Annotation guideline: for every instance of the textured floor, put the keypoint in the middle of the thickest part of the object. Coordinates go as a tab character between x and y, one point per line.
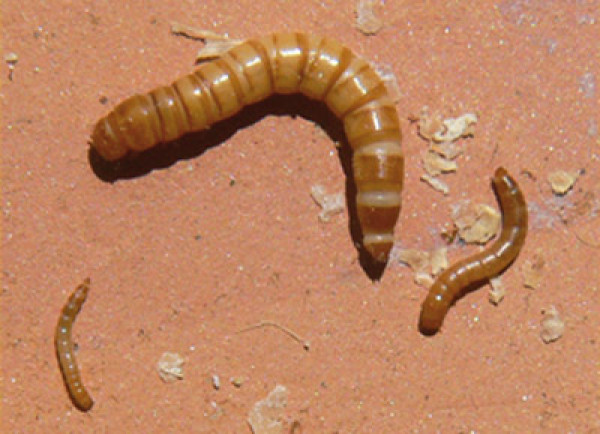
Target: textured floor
186	251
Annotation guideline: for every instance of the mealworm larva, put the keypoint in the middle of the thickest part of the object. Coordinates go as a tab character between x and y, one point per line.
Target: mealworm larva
64	348
477	268
283	63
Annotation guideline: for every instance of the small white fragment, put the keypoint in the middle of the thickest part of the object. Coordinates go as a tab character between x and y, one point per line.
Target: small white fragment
266	415
553	326
436	183
366	20
170	367
562	181
216	381
331	204
497	291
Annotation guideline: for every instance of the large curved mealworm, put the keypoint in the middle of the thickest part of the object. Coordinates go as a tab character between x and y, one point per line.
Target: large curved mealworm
64	348
477	268
284	63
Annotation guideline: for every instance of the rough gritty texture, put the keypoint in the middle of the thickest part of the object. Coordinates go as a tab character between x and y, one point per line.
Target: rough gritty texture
183	256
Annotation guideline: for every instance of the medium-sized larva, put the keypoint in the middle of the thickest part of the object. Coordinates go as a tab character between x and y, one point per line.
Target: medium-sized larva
64	348
284	63
480	267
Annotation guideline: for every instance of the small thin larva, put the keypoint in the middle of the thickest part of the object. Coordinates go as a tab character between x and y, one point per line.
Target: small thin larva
64	348
283	63
480	267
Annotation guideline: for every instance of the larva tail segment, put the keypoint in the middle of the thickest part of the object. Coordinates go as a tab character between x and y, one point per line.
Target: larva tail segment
64	348
451	284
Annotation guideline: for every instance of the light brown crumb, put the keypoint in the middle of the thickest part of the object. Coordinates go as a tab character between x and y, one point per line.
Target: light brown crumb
170	367
424	264
366	20
532	271
435	164
497	291
331	204
266	415
562	181
553	326
455	128
434	128
428	125
476	223
436	183
439	260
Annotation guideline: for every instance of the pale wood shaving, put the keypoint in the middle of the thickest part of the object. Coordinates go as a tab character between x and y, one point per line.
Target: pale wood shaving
533	271
553	326
497	291
366	20
562	181
476	223
436	183
170	367
331	204
266	416
435	164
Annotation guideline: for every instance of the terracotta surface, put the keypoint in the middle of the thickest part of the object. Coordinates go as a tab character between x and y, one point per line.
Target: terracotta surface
198	244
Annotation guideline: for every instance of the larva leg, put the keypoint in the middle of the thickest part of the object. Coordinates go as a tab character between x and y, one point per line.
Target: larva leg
284	63
480	267
64	348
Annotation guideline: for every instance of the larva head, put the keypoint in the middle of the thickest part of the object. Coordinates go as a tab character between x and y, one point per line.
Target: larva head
131	126
433	312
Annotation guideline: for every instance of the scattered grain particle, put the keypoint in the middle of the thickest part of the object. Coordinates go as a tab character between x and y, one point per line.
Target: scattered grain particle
553	326
449	150
532	271
11	59
366	20
439	260
417	260
562	181
455	128
331	204
435	164
170	367
448	233
237	381
497	291
436	183
476	223
266	415
429	124
216	382
423	279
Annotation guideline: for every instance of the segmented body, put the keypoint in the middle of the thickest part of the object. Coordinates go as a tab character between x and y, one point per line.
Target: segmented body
477	268
64	348
283	63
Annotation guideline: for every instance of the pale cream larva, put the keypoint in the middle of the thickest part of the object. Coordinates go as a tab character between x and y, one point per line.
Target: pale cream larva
64	348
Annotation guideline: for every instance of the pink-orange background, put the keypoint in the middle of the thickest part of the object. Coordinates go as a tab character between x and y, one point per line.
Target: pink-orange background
184	256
